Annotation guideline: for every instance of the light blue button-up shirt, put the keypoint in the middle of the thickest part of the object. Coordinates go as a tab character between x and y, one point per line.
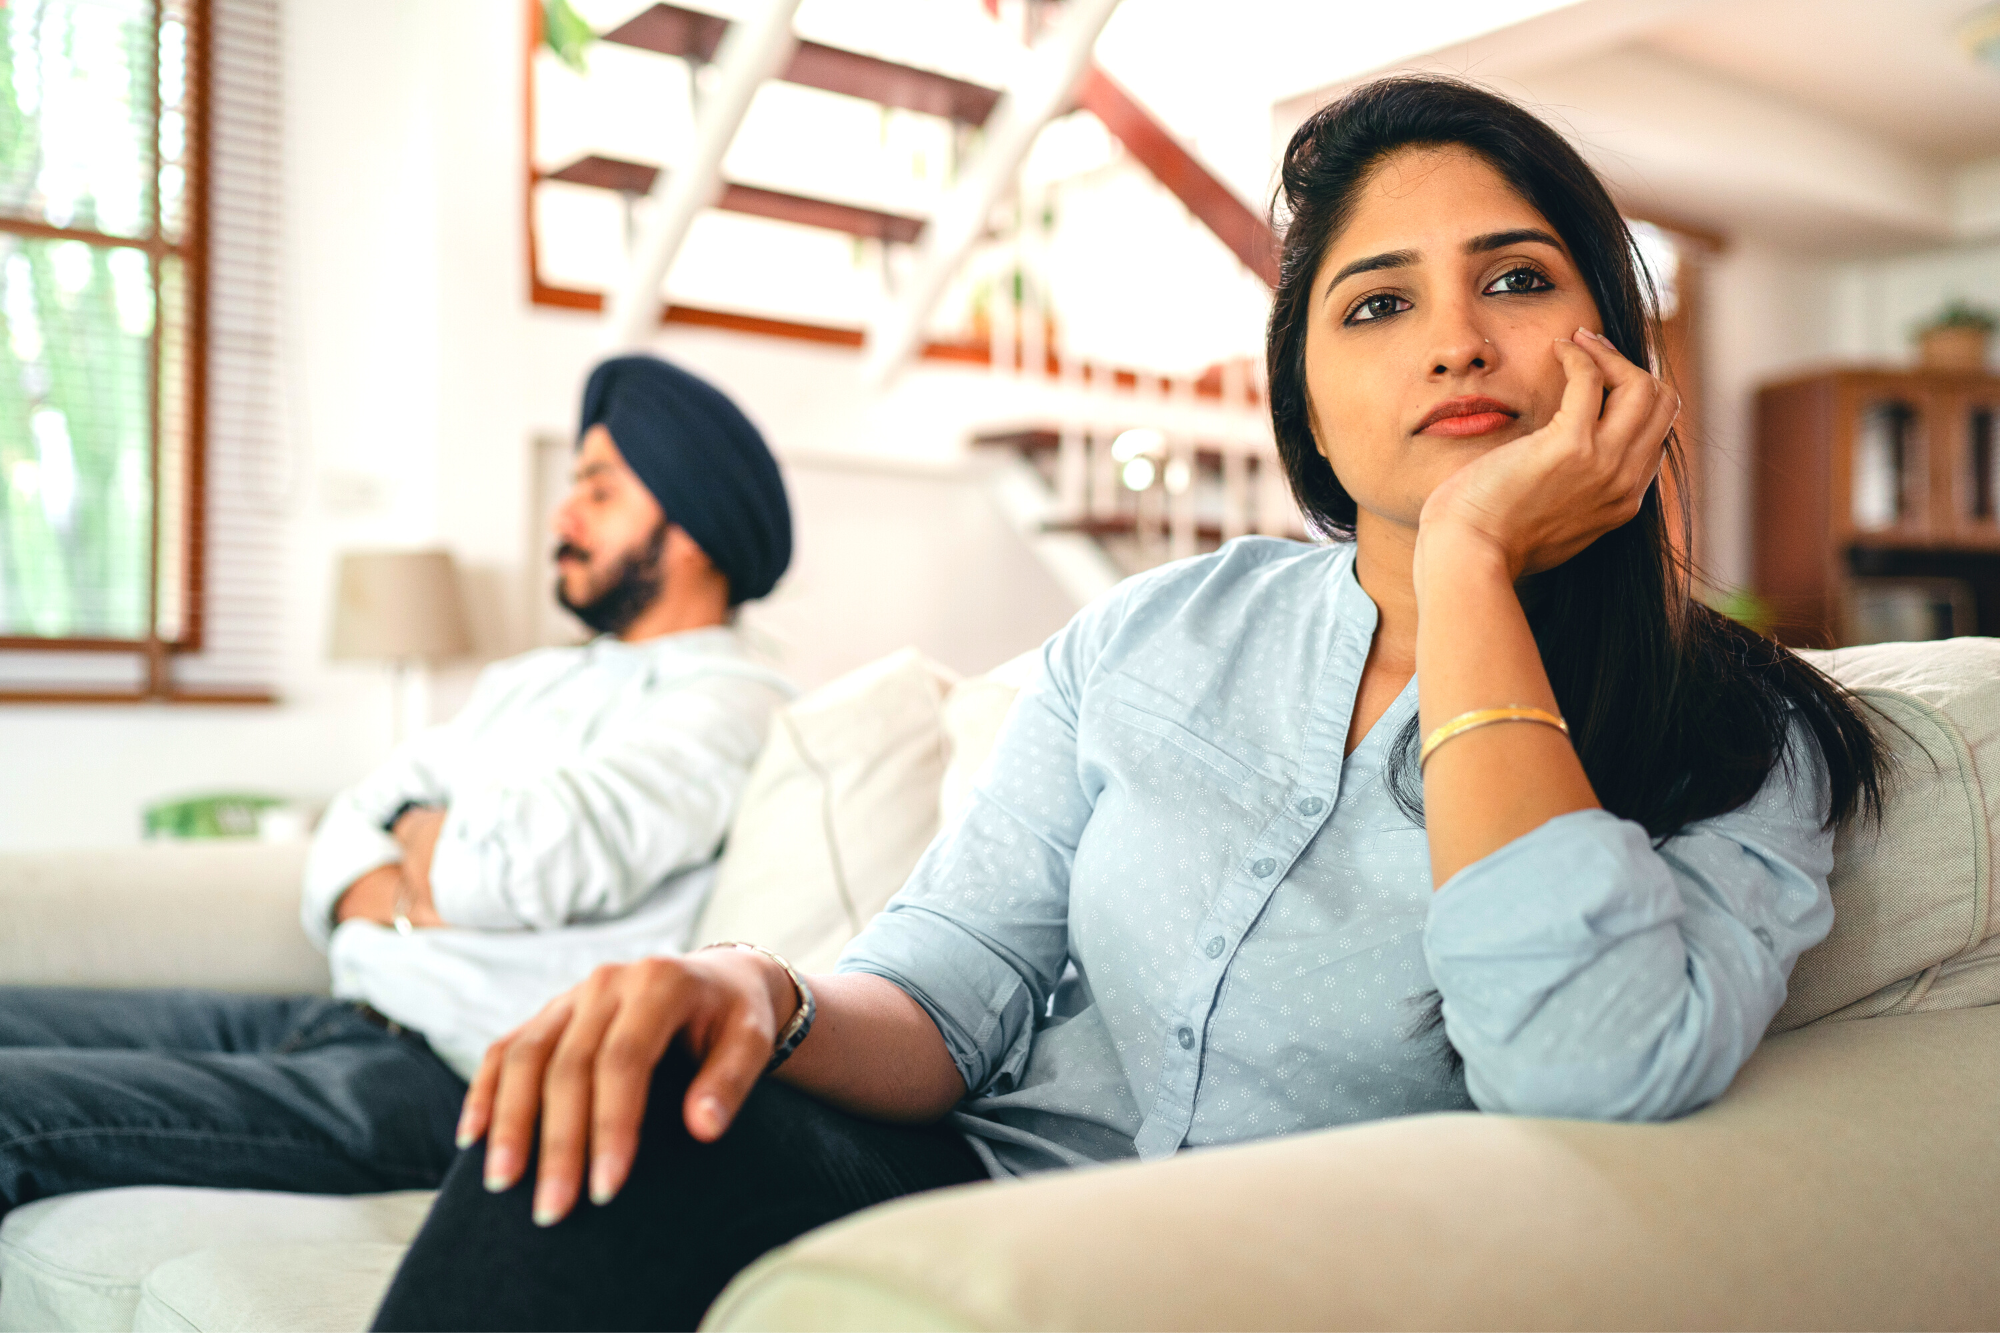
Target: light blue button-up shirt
1174	915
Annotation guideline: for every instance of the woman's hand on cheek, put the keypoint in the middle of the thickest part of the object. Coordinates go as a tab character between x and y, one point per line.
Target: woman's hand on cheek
1539	500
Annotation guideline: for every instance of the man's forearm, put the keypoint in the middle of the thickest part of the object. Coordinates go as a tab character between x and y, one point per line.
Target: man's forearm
376	895
371	897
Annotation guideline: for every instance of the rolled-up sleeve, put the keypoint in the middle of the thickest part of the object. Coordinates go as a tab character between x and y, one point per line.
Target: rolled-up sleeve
1586	973
979	936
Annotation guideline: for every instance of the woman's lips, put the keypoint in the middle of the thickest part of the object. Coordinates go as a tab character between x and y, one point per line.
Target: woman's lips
1467	416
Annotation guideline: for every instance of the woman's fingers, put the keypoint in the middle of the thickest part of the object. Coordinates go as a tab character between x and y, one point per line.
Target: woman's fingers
1583	388
736	1060
1633	391
1650	442
1619	373
566	1098
518	1097
477	1111
659	996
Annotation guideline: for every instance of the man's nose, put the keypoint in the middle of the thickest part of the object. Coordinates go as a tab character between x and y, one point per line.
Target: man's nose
563	522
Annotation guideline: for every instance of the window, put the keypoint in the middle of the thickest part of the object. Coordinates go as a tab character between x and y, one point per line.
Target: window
102	289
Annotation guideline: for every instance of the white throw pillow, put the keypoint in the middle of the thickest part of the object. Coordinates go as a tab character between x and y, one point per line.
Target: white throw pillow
838	808
974	712
1912	925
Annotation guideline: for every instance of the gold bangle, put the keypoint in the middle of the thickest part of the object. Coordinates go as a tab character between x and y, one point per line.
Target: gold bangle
1486	717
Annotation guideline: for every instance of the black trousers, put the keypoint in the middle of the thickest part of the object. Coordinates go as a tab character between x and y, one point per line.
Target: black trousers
691	1216
184	1087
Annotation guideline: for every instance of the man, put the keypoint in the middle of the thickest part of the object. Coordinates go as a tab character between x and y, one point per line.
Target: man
570	815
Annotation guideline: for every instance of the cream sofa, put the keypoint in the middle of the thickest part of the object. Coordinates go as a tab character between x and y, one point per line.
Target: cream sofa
1846	1179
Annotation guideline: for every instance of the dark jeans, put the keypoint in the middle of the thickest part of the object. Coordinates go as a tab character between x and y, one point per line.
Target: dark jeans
691	1216
183	1087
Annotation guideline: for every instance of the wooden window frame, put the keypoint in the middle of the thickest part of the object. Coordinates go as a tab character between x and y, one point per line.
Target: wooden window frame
192	250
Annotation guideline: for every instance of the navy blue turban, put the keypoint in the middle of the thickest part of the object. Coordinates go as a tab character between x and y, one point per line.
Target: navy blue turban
702	460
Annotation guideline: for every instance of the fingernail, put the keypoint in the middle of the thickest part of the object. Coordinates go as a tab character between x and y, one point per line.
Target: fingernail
499	1172
601	1189
549	1203
712	1112
465	1137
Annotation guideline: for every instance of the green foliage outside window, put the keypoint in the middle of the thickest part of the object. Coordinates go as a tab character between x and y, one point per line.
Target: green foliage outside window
93	189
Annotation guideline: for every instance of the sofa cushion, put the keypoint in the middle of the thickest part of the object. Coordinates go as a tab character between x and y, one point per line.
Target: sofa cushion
77	1260
1912	929
838	808
330	1287
1841	1183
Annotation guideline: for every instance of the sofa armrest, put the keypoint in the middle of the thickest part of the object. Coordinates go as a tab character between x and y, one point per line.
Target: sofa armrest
219	915
1847	1180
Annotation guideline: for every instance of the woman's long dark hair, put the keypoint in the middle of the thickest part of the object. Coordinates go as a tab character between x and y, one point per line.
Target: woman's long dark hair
1677	712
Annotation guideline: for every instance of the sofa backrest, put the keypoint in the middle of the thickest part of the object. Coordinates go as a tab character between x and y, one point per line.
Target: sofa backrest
858	777
219	913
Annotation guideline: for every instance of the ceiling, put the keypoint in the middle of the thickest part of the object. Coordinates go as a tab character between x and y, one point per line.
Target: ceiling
1833	126
1892	68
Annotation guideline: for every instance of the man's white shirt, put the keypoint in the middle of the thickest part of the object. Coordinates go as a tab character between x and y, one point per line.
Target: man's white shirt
587	793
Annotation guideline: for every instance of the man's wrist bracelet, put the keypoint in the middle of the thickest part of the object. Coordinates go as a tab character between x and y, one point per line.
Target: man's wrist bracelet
1485	717
794	1032
400	912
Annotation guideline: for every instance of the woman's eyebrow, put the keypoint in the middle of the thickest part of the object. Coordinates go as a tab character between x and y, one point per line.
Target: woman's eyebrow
1500	240
1390	259
1478	245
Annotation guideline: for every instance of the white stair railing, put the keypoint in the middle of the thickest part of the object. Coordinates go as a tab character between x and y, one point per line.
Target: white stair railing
752	53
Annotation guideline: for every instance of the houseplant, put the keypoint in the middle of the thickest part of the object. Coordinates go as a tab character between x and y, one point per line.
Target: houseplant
1956	339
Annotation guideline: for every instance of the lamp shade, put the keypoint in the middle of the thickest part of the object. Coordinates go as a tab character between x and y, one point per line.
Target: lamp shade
399	606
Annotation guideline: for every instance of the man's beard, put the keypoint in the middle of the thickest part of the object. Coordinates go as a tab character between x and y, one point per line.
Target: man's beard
641	576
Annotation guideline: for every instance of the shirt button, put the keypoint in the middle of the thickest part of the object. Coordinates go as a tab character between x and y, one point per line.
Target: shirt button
1186	1038
1263	866
1214	947
1311	806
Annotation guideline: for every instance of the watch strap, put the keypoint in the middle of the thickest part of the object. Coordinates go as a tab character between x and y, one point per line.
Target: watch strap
794	1032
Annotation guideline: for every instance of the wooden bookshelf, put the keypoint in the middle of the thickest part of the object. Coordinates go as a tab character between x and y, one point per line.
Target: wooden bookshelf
1867	476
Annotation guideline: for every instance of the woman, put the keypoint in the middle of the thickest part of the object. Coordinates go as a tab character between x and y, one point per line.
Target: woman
1192	901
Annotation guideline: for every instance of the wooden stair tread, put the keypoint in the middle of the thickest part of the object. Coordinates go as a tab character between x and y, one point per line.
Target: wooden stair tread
672	31
610	173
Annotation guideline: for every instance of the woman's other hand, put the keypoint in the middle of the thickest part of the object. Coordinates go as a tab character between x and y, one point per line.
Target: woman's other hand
584	1065
1539	500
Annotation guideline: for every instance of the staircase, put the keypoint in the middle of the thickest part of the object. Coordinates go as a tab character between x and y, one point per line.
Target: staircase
1147	466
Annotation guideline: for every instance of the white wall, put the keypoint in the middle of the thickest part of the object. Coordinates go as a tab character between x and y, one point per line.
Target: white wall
1878	305
417	376
1766	314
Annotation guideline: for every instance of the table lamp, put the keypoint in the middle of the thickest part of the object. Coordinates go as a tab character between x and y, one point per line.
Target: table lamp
400	607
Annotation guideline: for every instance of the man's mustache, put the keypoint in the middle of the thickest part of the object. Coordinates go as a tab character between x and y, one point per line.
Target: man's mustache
571	551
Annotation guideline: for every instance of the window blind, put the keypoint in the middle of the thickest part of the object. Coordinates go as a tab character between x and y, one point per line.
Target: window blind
249	482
